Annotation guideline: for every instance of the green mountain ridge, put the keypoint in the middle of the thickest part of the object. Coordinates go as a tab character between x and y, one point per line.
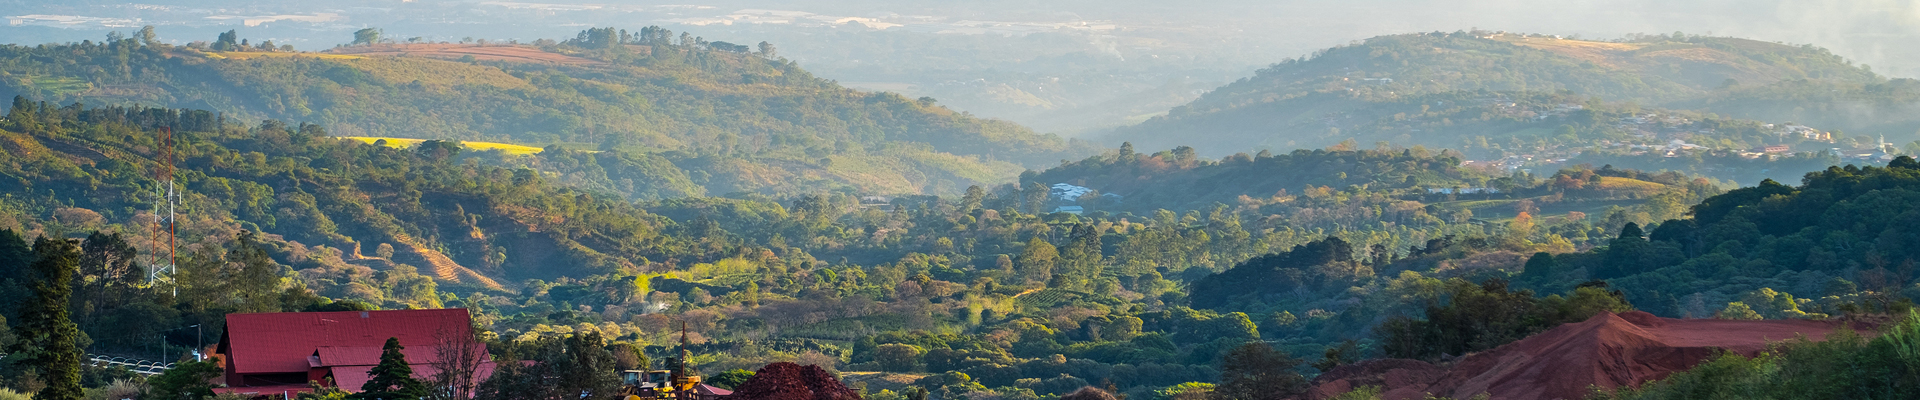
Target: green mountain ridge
729	121
1367	91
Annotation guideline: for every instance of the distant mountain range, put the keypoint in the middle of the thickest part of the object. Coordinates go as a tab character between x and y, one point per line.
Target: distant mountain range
1453	89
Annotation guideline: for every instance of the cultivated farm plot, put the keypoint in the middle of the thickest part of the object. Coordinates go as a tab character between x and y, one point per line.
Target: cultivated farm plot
58	85
401	143
1047	298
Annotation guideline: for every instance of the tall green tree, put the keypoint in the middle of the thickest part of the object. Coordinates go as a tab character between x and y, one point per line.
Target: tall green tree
107	277
1036	196
50	342
1539	266
1256	371
1080	261
185	381
393	378
228	41
15	257
242	278
589	370
1037	260
577	367
366	36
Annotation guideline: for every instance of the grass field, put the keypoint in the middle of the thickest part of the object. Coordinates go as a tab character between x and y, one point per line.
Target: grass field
401	143
1618	183
1603	53
60	86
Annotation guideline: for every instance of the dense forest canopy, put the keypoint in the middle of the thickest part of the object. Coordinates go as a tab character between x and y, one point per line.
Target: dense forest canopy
322	220
289	217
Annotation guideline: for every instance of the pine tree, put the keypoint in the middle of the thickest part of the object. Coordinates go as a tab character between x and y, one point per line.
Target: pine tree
393	378
50	340
1257	371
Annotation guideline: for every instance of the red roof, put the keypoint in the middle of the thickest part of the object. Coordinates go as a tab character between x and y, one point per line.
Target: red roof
282	342
354	377
328	356
712	390
265	390
351	378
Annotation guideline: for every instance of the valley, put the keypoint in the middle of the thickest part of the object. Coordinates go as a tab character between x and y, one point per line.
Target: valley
1469	214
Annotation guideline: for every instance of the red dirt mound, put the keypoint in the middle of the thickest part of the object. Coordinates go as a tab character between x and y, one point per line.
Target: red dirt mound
1608	350
789	381
1401	378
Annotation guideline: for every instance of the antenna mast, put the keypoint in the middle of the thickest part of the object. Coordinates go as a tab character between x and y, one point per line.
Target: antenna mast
164	229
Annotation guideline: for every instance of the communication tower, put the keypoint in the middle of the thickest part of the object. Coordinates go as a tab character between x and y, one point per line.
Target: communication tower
166	243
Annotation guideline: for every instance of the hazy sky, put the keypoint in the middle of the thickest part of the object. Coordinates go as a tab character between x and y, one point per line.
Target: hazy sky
1881	33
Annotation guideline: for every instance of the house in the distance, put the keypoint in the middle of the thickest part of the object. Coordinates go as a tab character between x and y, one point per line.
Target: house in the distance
277	354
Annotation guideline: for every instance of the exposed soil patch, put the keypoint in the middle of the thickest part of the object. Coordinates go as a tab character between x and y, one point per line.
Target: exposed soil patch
511	53
1608	350
1602	53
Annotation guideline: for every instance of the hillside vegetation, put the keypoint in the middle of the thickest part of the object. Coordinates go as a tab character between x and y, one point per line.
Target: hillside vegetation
1454	89
325	219
703	192
983	292
731	121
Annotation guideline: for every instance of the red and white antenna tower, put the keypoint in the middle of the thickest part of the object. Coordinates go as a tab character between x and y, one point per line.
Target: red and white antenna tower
164	214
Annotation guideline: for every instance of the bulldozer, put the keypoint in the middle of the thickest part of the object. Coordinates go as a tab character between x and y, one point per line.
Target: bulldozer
674	384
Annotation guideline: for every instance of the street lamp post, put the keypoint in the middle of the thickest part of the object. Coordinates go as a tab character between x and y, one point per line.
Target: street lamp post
199	342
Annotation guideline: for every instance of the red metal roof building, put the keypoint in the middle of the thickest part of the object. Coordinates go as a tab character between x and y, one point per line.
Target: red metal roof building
276	354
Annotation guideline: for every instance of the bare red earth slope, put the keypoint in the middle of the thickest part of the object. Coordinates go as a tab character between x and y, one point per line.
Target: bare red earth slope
1608	350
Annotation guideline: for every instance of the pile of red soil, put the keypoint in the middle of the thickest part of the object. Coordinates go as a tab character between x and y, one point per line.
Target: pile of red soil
1608	350
789	381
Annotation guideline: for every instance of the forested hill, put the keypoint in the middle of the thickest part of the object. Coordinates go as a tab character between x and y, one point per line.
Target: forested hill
984	292
1349	188
1343	92
341	206
1178	179
734	120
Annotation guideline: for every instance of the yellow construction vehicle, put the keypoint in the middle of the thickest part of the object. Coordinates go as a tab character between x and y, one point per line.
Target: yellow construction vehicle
657	385
675	384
